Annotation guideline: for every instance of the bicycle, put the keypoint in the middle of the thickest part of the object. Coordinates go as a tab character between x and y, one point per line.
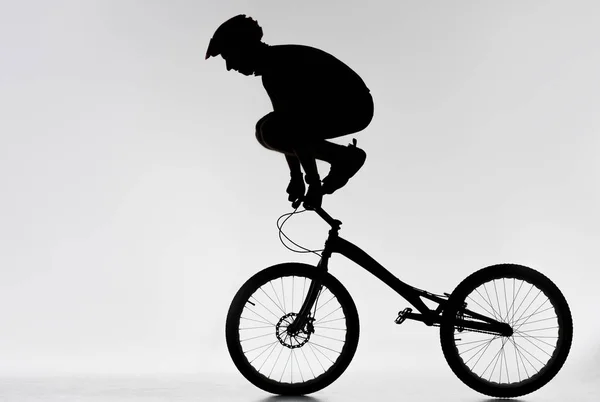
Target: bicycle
316	323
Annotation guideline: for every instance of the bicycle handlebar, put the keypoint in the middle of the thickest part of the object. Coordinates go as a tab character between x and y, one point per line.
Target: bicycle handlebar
334	223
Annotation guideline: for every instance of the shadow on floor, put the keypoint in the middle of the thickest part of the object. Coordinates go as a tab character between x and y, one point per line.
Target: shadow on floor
280	398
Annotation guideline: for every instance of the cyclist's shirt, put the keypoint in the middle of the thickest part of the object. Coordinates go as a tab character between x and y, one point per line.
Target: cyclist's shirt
301	78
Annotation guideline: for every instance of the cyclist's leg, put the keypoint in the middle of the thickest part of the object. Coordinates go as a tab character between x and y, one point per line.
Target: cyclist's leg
305	136
345	161
283	133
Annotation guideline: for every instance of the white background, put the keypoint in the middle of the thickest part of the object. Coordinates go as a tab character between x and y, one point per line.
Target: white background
136	200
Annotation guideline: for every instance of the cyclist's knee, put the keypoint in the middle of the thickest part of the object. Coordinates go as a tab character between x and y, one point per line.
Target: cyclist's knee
274	133
260	130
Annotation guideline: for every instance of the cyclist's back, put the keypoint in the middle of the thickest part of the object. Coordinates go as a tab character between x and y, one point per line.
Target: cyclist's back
298	77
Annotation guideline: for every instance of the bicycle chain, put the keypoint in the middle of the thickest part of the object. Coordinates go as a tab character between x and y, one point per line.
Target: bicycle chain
471	330
480	331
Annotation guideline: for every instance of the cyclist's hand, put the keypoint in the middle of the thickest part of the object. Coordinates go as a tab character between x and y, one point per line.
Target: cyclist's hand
296	190
314	197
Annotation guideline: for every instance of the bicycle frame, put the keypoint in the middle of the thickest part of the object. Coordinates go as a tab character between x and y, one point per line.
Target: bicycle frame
430	317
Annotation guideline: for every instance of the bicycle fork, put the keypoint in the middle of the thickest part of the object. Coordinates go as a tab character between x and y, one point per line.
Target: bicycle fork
304	318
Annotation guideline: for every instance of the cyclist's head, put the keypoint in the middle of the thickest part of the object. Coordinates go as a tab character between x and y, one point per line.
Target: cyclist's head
237	41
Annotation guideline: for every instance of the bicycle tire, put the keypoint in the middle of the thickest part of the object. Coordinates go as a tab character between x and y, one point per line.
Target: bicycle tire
564	330
233	330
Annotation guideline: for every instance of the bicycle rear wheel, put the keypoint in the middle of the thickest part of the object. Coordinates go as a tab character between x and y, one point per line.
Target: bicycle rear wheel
536	310
291	364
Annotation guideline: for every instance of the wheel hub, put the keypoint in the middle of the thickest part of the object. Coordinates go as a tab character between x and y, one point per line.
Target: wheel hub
292	340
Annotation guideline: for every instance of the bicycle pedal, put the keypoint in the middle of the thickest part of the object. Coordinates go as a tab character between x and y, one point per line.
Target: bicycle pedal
402	315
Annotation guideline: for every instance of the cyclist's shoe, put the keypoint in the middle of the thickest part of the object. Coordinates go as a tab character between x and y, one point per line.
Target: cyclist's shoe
343	169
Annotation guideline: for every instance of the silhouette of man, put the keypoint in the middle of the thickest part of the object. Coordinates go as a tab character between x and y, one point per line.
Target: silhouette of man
315	97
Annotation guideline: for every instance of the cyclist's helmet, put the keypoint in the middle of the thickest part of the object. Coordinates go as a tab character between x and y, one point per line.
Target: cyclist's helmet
237	31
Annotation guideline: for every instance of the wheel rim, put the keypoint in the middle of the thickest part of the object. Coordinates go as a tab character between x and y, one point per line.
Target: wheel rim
519	359
281	357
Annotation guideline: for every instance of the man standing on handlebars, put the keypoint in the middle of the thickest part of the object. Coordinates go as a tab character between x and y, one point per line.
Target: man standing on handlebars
315	97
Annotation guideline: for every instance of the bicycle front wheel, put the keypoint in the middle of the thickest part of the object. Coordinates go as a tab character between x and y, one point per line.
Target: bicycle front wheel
537	312
291	364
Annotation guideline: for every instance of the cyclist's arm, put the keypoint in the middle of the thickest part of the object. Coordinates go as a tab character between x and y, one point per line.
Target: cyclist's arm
294	165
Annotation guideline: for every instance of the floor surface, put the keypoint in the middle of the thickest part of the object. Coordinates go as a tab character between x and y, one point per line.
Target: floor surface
232	387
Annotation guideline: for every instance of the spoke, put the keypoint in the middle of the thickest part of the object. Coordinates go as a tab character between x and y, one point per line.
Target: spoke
515	298
517	361
534	330
321	352
475	347
298	364
335	329
531	354
261	353
522	356
268	322
325	322
484	350
258	347
543	311
325	347
272	350
328	337
539	312
490	301
277	305
266	308
533	322
524	311
484	309
527	339
244	329
283	293
497	301
284	367
277	297
537	337
322	318
274	364
522	301
466	343
530	315
501	361
303	288
506	364
525	336
486	301
293	277
256	337
316	357
496	358
505	298
307	362
250	319
323	305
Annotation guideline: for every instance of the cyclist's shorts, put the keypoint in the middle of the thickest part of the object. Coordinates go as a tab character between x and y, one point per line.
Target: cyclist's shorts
323	123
